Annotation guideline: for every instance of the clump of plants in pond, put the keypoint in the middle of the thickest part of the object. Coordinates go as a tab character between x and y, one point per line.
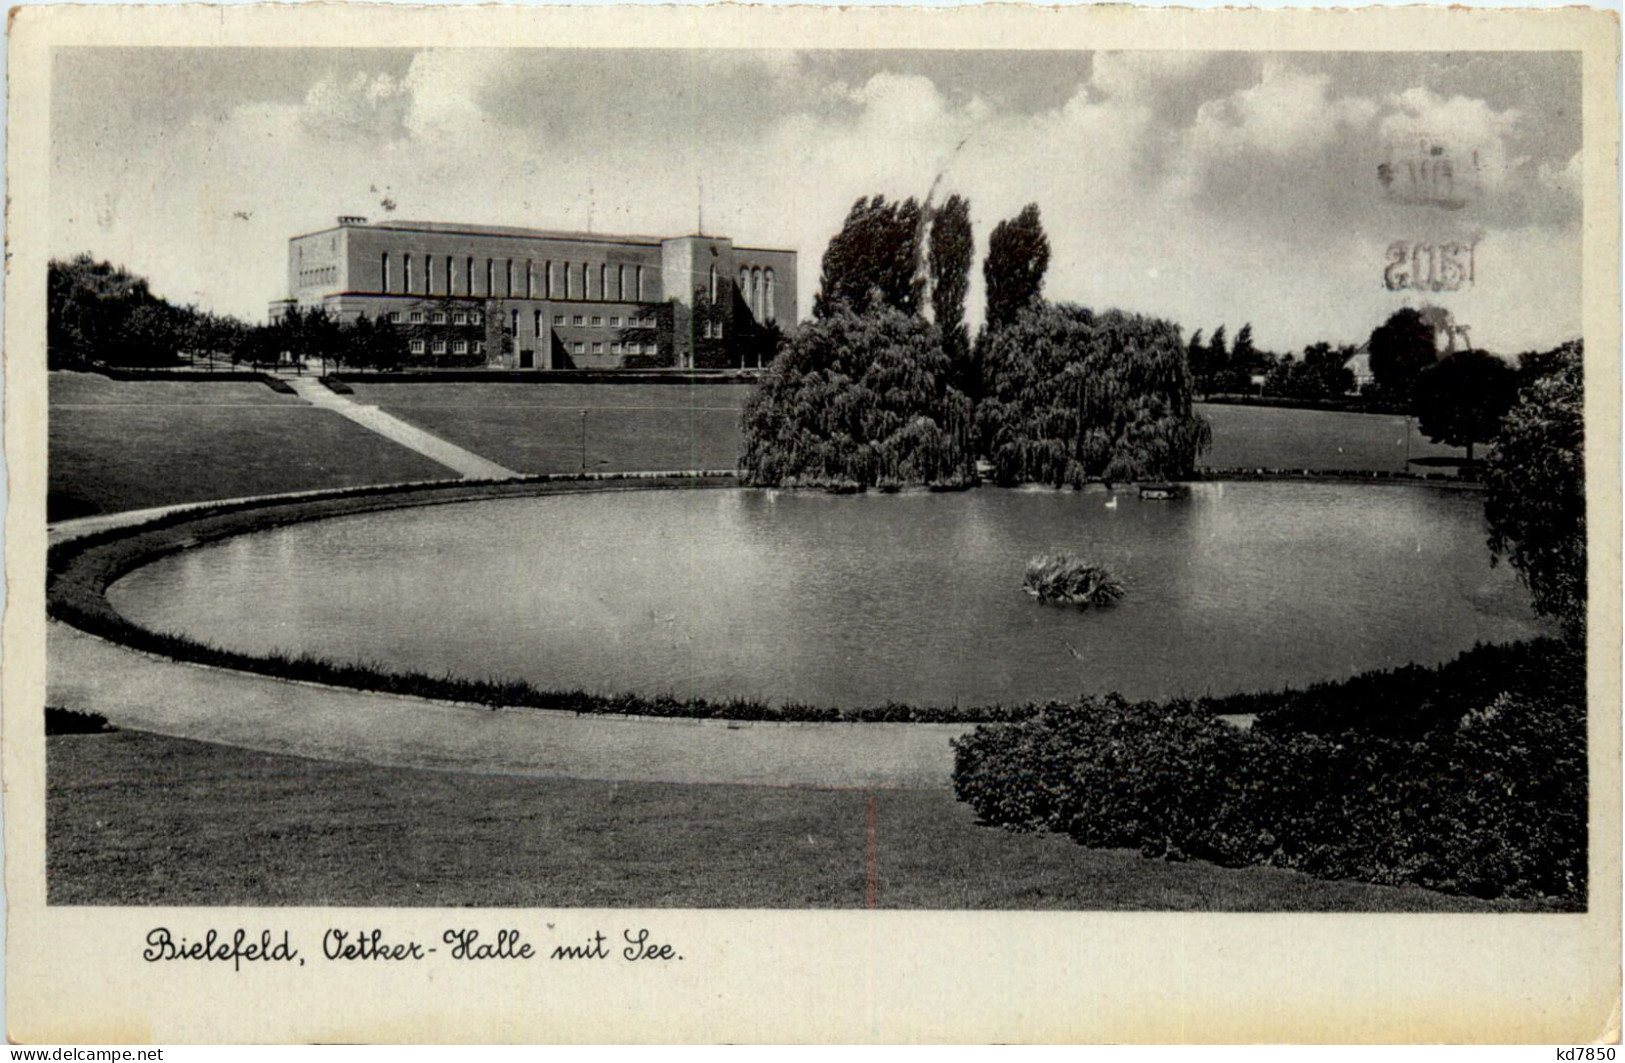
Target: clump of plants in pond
1066	579
1488	803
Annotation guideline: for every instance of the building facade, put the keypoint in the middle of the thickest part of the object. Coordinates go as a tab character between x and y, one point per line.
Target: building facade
466	295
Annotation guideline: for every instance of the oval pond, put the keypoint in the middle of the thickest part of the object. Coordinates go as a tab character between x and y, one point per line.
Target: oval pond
859	600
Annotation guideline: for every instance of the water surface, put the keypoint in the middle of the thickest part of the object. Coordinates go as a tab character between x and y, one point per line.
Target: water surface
859	600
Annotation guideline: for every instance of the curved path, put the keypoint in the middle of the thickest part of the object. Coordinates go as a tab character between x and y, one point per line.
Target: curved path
151	693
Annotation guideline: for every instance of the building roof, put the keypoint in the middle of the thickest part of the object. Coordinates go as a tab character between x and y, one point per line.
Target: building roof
510	230
521	232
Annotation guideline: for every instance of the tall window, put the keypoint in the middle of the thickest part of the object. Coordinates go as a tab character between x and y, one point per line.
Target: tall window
620	284
603	282
586	281
428	279
639	295
449	269
767	297
407	260
383	271
538	322
468	275
713	284
756	292
530	279
744	286
569	280
508	291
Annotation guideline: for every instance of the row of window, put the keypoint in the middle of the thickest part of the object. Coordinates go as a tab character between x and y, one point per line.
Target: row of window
439	317
596	321
445	274
440	347
478	347
580	347
321	275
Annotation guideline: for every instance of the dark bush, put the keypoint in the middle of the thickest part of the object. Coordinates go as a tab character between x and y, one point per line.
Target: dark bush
1490	801
74	722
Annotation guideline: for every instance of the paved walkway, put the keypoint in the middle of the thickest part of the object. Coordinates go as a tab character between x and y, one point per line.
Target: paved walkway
463	462
149	693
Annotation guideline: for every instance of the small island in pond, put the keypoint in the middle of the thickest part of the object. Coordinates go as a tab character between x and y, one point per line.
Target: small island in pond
1066	579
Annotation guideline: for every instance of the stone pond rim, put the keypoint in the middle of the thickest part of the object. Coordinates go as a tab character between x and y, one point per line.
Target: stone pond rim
81	569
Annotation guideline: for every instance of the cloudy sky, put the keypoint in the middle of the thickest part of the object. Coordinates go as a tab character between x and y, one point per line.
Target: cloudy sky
1210	188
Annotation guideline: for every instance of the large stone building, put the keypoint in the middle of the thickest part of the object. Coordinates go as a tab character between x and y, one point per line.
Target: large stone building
466	295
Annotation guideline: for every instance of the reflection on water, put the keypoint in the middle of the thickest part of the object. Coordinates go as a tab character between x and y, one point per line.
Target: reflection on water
859	600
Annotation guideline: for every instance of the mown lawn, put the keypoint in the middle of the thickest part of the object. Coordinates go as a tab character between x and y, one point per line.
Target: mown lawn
1247	437
118	445
537	428
140	819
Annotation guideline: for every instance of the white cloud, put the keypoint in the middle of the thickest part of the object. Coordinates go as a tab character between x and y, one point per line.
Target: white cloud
1160	193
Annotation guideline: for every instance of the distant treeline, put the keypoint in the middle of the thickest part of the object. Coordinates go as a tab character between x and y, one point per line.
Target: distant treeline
99	314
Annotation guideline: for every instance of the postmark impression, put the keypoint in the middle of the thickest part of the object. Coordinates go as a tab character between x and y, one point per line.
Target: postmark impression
1424	169
1431	266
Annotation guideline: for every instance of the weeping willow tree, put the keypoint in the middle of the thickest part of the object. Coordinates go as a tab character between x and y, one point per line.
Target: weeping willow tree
1073	397
856	401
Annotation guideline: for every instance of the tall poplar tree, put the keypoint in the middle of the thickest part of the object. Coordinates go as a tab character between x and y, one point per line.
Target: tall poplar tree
1017	258
951	249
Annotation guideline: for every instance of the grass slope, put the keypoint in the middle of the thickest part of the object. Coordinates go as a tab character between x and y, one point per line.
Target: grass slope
117	446
537	428
140	819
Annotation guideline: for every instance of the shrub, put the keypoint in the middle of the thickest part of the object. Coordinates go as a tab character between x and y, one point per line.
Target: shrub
1534	477
1070	580
1491	803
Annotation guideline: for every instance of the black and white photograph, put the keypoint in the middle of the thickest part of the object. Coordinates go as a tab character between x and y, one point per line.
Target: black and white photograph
1016	478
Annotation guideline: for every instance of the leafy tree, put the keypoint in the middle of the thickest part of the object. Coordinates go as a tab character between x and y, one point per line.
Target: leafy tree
1017	258
951	248
1460	400
1216	363
1074	397
858	400
88	305
1532	365
1322	373
872	259
1535	490
1401	348
1244	356
150	335
1233	370
1196	355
